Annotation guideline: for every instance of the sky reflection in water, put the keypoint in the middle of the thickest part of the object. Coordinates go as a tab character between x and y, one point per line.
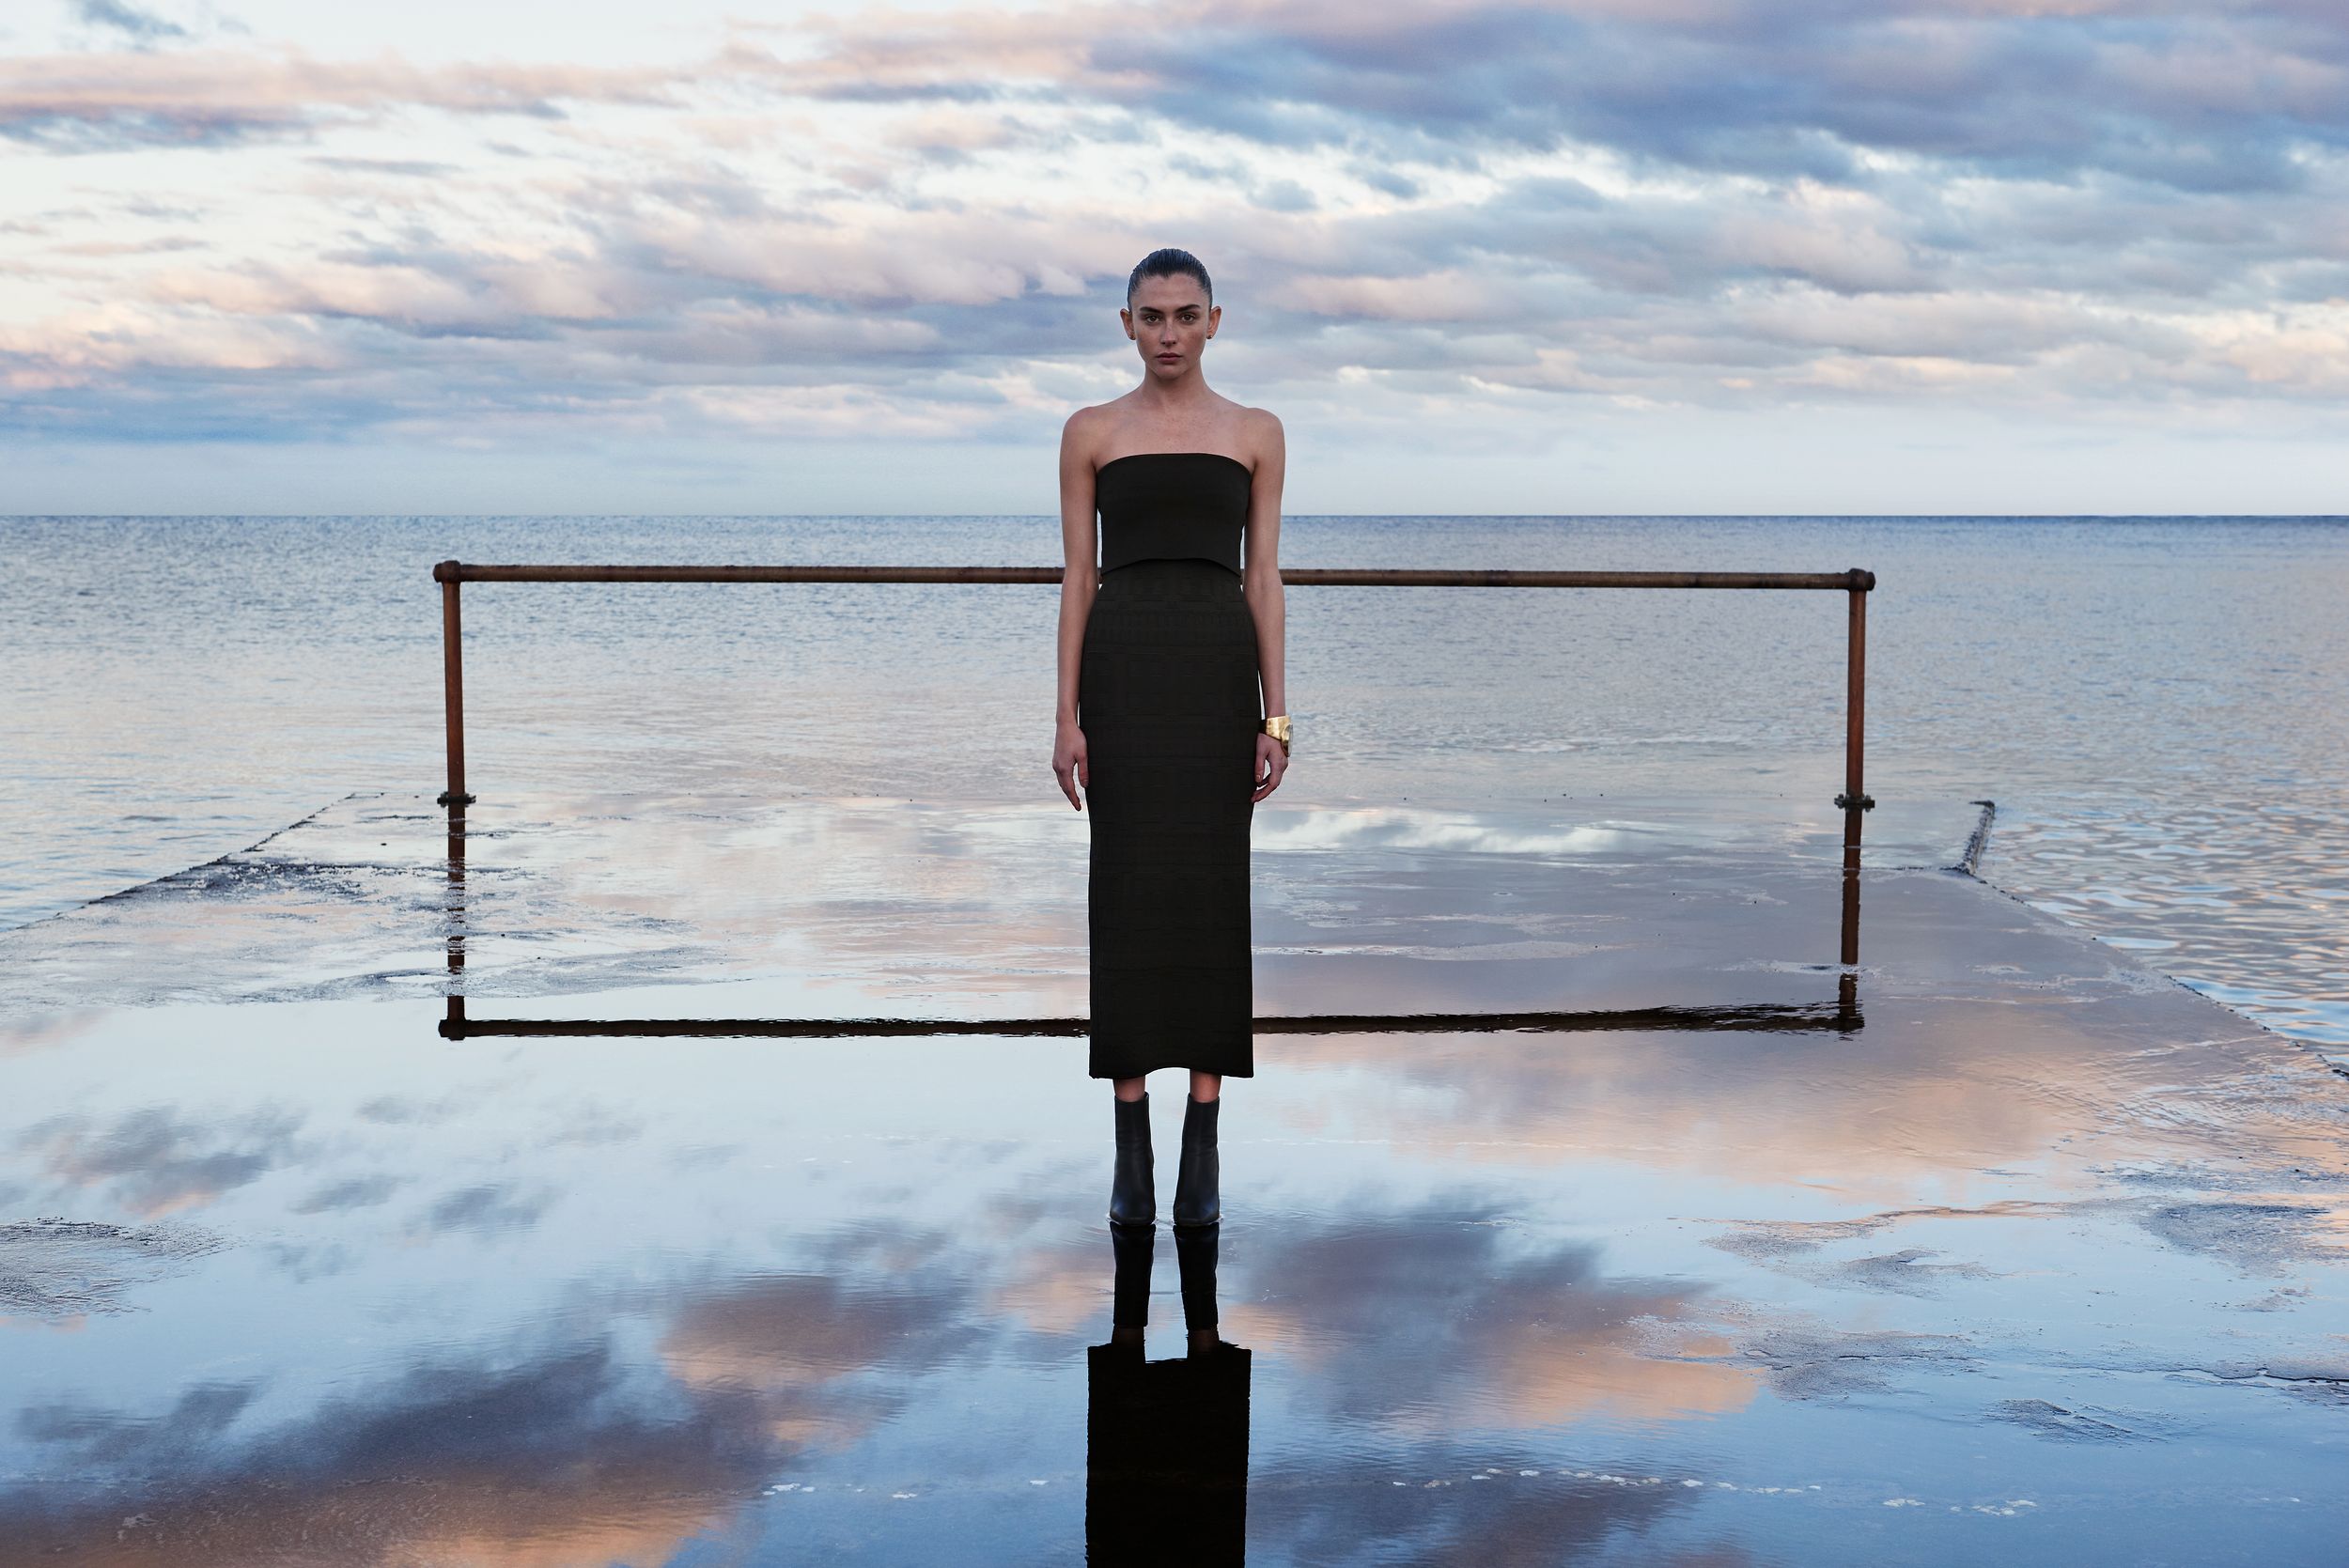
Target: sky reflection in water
2036	1261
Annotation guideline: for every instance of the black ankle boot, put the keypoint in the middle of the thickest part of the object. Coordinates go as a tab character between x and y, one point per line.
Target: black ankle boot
1134	1198
1196	1200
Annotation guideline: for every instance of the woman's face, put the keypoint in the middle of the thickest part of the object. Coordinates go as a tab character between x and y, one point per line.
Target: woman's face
1170	322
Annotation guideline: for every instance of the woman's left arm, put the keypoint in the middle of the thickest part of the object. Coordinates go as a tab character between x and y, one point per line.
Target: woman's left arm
1262	585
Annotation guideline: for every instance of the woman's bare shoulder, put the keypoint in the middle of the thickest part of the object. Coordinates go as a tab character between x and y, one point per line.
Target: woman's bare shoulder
1263	435
1096	418
1080	441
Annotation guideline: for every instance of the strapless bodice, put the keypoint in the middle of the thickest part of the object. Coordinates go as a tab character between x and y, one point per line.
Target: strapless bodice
1158	506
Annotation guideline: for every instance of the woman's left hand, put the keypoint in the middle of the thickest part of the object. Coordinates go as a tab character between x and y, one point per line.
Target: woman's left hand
1271	762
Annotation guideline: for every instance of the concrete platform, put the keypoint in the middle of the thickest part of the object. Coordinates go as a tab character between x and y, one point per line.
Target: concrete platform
1992	1246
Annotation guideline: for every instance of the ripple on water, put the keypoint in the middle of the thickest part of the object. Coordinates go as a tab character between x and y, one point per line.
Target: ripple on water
2246	911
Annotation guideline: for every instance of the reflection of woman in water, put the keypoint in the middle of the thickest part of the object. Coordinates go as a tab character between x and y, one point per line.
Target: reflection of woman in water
1166	1442
1169	663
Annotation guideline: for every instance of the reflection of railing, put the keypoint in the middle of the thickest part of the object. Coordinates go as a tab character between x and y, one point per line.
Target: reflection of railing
1764	1018
1856	583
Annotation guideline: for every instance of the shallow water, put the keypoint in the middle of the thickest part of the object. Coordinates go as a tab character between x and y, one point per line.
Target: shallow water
2154	704
1988	1245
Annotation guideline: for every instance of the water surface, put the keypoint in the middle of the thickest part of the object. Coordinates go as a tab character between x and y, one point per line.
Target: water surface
1989	1247
2152	703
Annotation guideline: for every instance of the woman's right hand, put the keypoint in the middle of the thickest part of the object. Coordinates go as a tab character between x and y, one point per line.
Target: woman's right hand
1069	761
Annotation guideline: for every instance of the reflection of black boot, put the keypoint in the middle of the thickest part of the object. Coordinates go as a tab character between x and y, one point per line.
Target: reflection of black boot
1194	1254
1133	1197
1196	1200
1166	1442
1131	1246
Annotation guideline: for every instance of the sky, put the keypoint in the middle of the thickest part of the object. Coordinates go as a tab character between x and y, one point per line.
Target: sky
1480	255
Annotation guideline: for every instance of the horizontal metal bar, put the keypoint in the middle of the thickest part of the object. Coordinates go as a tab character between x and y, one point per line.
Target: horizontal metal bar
1341	576
1765	1018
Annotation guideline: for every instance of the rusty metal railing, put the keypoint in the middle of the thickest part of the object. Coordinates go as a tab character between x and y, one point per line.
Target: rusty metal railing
1855	582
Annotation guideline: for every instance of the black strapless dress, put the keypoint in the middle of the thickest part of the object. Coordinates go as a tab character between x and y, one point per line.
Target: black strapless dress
1170	706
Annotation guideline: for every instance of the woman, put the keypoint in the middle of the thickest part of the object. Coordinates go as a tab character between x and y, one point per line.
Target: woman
1169	661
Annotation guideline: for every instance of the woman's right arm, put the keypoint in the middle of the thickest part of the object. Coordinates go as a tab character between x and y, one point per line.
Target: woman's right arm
1080	578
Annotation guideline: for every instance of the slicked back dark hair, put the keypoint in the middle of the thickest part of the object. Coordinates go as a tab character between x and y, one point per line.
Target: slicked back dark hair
1169	263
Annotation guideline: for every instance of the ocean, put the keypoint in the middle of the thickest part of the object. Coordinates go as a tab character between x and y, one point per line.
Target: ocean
2154	704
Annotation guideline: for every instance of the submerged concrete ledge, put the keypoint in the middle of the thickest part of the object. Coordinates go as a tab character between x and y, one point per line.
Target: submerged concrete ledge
373	896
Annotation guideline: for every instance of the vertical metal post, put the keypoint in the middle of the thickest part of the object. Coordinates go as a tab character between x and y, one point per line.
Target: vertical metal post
453	683
1855	796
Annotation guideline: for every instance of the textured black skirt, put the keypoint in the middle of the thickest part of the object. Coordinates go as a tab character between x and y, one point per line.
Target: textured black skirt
1170	707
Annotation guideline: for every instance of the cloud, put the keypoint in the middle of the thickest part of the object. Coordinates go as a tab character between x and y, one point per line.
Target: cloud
221	98
1507	1520
486	1210
553	1460
562	1451
155	1162
1469	221
144	26
1430	1320
2202	103
358	1192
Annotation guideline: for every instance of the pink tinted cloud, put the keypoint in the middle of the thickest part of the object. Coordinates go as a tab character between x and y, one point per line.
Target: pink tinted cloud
204	95
488	292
